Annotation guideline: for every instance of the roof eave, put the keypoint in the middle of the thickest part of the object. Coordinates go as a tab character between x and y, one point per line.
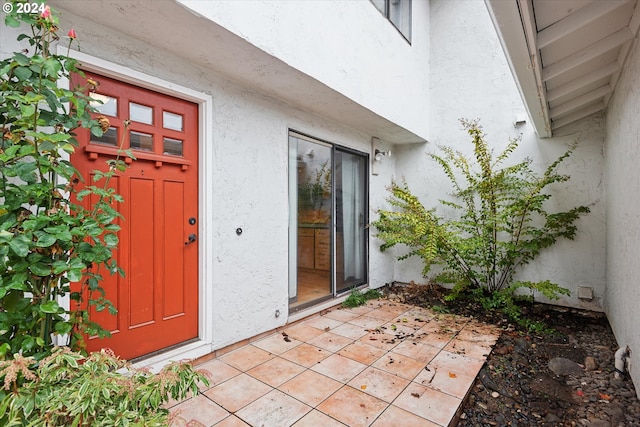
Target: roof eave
525	66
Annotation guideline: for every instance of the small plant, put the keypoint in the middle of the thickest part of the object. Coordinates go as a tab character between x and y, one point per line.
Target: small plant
502	224
67	389
357	298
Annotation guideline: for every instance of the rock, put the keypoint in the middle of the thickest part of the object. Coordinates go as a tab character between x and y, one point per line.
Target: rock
590	363
564	366
552	418
495	394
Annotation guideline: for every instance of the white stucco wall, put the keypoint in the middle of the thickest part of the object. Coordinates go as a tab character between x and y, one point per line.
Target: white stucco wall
623	210
347	45
470	79
249	175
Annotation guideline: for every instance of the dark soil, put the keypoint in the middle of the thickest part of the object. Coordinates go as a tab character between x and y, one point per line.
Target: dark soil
516	386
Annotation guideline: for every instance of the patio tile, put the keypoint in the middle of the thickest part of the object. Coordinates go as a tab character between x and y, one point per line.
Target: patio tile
322	323
341	315
417	350
330	341
306	355
246	357
276	343
273	409
399	364
350	331
363	309
199	409
317	419
218	371
474	350
378	383
457	363
339	368
302	332
394	417
353	407
361	352
310	387
237	392
446	381
366	322
433	336
380	340
384	314
433	405
232	421
398	328
275	371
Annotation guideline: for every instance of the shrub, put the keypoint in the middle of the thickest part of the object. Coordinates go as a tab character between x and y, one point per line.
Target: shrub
502	223
47	240
67	389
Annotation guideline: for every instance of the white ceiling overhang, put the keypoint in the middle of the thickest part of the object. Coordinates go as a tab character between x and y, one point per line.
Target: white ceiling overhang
566	55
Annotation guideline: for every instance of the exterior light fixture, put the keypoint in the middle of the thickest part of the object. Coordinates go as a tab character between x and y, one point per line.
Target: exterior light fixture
379	154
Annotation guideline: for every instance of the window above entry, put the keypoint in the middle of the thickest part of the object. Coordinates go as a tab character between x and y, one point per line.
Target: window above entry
398	12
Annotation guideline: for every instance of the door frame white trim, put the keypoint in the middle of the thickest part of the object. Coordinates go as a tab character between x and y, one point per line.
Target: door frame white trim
205	195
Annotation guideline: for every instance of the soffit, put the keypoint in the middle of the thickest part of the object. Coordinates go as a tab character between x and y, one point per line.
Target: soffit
566	55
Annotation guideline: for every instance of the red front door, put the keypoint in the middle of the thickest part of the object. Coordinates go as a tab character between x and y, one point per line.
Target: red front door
157	300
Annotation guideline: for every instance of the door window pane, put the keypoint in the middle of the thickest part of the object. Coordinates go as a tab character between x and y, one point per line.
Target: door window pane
172	146
140	113
311	205
351	219
171	121
104	104
141	141
110	137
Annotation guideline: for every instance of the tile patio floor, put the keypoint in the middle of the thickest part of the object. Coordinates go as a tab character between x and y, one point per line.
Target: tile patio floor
383	364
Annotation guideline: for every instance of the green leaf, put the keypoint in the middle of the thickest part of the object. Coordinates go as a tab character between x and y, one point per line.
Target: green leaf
40	269
44	239
111	240
19	247
23	73
75	275
50	307
11	21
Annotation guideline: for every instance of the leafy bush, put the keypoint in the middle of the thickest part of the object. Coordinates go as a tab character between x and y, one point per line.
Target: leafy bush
47	240
67	389
502	223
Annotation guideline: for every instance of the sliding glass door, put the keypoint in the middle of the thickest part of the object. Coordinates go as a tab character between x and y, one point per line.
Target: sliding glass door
328	214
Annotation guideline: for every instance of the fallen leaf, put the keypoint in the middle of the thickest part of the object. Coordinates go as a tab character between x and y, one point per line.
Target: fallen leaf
416	395
327	329
579	393
604	396
452	375
363	387
394	327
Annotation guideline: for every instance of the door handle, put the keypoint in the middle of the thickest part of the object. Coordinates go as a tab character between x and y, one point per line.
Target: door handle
192	238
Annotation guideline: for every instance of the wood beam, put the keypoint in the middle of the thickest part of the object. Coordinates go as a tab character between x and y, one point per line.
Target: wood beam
585	80
590	52
577	103
577	20
577	115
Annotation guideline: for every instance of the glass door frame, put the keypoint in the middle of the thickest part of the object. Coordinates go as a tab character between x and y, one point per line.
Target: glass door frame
293	219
